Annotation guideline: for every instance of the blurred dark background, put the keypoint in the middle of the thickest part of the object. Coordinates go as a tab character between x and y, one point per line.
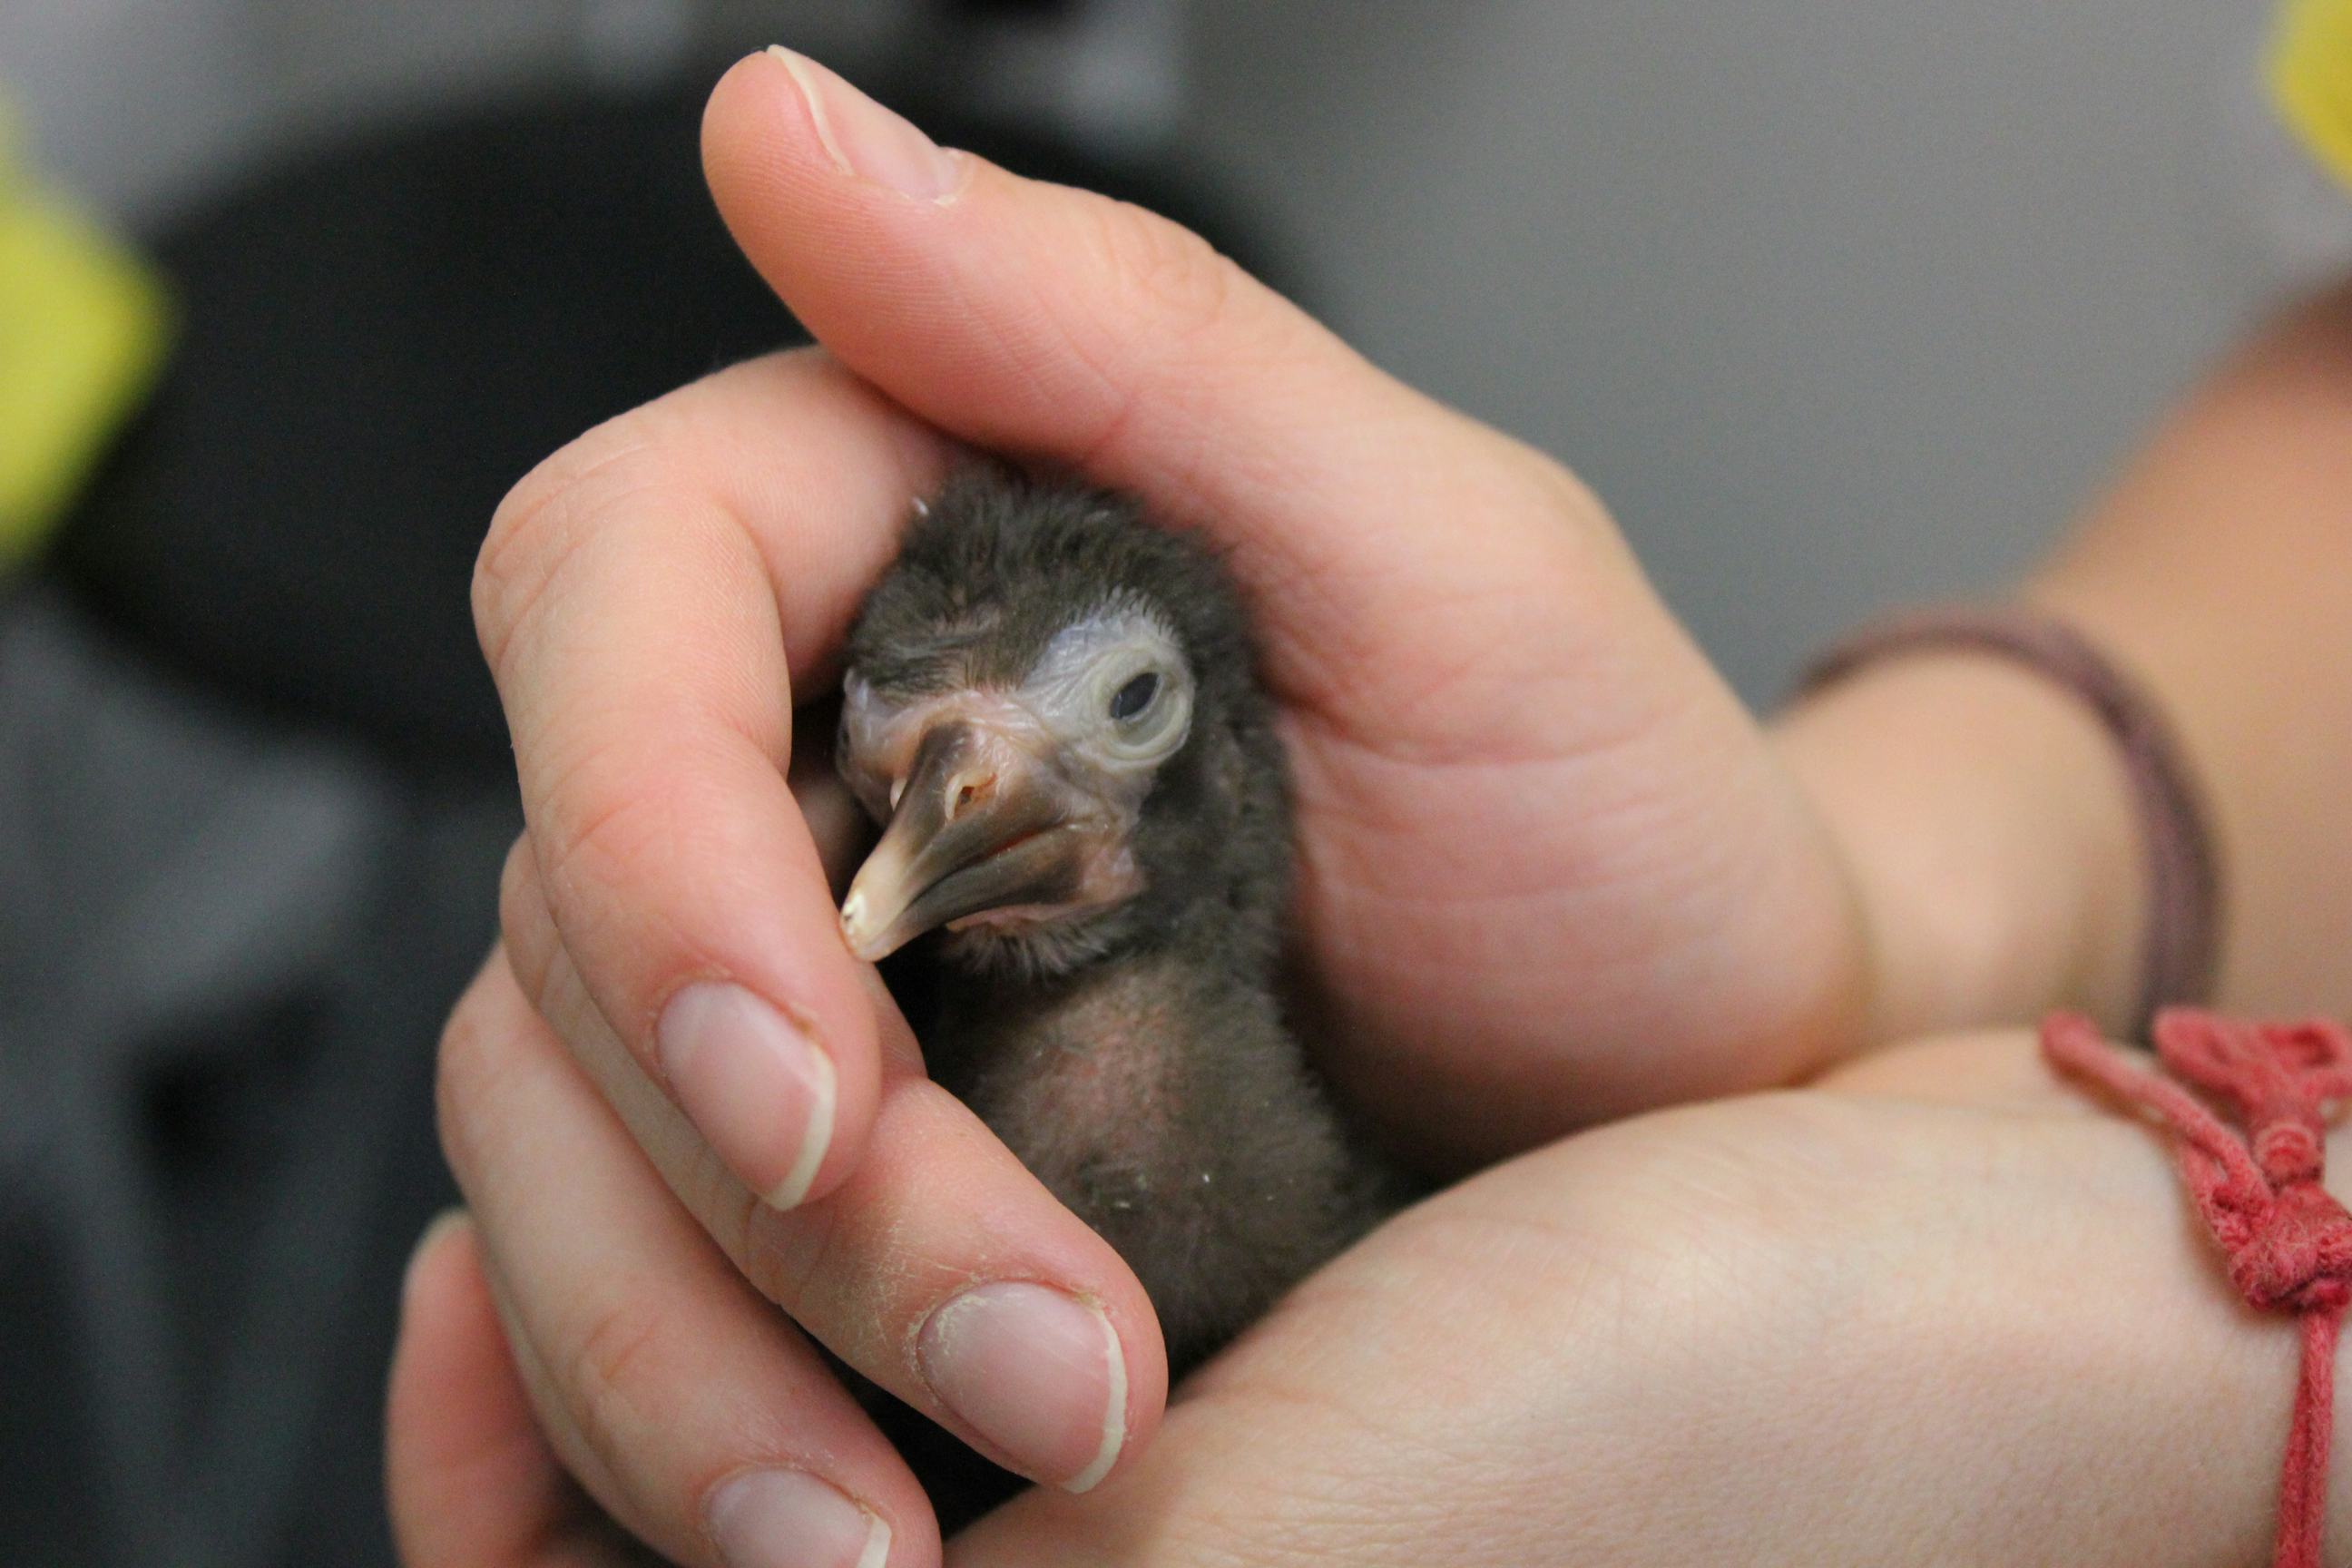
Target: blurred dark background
1834	302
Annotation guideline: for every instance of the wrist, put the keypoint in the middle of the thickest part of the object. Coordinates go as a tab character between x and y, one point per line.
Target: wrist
1984	824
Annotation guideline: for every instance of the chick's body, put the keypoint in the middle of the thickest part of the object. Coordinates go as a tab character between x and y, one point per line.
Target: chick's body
1063	696
1167	1106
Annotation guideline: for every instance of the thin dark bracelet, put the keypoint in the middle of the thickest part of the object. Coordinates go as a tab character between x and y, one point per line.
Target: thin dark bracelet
2184	879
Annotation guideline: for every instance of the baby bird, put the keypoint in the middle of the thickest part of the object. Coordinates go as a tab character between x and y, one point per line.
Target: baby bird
1051	706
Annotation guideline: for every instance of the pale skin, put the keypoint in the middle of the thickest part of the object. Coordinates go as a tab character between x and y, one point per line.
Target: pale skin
1934	1308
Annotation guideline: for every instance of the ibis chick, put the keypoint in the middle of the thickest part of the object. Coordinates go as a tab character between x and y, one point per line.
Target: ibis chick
1050	705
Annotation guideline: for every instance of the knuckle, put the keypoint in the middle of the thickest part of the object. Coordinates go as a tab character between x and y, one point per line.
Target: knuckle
1582	521
598	1375
464	1068
731	1215
549	517
819	1269
609	815
525	925
1183	284
518	891
1730	1231
786	1258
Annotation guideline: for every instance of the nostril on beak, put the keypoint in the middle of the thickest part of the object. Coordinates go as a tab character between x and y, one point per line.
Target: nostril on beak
967	790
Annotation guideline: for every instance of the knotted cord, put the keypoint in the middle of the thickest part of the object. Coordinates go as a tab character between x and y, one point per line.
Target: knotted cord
2258	1186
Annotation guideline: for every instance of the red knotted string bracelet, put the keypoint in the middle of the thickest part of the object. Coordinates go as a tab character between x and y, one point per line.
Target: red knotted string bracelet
2289	1243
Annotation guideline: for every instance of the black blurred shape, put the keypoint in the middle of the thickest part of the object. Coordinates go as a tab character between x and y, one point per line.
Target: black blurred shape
378	343
48	1450
375	346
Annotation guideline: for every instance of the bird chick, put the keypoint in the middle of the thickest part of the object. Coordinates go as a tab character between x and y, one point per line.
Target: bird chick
1050	705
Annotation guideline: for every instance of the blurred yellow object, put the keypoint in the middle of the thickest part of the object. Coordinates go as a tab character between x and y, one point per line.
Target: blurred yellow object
83	324
2310	70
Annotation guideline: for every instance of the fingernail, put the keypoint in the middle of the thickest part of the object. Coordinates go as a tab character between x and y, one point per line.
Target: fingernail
446	1220
869	141
1038	1375
759	1089
786	1519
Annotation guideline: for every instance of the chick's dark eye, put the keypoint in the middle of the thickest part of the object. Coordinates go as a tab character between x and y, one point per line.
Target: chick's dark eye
1136	696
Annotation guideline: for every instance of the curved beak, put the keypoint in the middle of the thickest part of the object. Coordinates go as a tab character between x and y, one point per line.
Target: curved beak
978	824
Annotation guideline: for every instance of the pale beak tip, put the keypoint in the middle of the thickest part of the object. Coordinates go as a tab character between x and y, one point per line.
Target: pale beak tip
864	944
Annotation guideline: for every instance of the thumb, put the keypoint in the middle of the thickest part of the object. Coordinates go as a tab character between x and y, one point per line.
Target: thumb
1059	324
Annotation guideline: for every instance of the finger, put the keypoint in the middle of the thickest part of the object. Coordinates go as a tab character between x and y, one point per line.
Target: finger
940	1269
1051	321
690	1409
646	600
471	1481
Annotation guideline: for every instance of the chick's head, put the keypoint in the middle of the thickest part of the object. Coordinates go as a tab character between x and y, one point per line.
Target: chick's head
1051	707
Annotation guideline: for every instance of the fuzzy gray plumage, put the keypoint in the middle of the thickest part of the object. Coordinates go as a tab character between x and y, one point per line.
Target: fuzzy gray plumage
1144	1073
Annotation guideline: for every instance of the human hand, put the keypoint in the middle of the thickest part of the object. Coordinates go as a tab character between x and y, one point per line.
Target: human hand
1534	825
1551	872
1940	1309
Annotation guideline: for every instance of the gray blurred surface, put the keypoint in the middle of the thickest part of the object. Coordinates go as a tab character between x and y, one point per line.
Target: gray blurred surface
1834	301
225	946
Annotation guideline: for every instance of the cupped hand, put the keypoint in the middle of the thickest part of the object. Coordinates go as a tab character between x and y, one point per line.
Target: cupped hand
1940	1309
1550	871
